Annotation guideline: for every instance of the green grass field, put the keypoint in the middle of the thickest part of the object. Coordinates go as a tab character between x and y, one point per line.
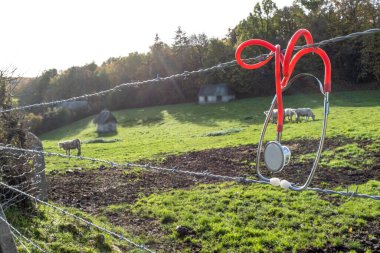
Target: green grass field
237	218
230	217
152	133
60	233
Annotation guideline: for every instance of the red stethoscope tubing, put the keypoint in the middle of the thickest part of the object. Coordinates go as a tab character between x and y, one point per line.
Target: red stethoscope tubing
288	64
253	42
280	109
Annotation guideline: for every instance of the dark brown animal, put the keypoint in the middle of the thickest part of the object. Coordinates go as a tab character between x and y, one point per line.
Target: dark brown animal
68	145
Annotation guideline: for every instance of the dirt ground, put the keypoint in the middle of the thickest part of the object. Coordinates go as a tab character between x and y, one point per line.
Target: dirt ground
90	190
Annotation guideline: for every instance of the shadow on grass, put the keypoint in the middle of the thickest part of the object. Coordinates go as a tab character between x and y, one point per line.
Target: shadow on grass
100	135
143	117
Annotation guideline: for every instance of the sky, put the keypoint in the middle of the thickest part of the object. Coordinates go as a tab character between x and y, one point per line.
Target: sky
44	34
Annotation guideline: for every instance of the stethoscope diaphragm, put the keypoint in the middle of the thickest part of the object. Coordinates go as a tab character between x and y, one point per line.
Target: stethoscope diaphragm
276	156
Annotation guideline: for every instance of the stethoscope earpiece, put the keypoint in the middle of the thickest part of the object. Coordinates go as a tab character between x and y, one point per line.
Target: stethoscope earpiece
276	156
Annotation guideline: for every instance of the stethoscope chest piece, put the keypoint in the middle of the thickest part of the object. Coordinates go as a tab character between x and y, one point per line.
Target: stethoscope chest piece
276	156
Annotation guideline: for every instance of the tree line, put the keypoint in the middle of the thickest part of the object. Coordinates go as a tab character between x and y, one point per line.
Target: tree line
355	62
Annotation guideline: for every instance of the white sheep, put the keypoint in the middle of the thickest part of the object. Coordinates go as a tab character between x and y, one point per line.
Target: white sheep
273	117
289	112
307	112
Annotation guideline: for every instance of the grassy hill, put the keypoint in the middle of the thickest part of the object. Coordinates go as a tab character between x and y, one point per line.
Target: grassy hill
152	133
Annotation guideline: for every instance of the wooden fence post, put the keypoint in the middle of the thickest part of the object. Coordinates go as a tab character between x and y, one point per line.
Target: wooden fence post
7	244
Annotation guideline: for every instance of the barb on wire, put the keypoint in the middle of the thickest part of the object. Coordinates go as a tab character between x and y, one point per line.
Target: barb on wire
35	245
191	173
186	74
352	193
66	213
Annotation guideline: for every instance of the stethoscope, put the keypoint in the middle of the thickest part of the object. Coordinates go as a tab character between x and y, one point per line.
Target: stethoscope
277	156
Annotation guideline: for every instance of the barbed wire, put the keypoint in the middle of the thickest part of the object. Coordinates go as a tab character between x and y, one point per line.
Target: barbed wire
89	223
186	74
35	245
347	193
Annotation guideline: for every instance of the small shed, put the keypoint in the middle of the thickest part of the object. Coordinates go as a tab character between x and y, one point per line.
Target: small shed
106	122
214	93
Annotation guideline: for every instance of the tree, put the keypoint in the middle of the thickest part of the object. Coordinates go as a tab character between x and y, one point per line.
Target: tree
370	59
181	50
199	44
37	89
180	39
160	59
313	6
259	14
269	8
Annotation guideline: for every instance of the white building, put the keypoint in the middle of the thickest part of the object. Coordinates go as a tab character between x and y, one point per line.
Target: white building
214	93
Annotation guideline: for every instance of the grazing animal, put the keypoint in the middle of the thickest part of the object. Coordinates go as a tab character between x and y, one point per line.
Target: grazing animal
73	144
306	112
289	112
273	117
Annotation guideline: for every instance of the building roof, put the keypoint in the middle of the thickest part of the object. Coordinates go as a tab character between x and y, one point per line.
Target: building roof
104	117
222	89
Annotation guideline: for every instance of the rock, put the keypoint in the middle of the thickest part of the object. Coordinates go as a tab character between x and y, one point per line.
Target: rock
100	239
102	167
69	171
54	172
184	231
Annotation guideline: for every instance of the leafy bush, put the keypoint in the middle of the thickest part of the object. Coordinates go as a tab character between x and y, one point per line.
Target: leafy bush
33	122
